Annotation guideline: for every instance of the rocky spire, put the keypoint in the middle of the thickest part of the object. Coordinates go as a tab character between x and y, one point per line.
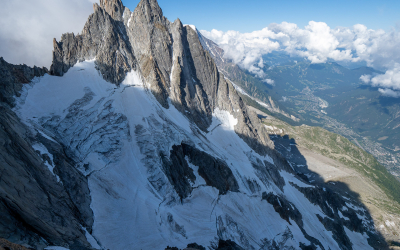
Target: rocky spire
114	8
151	9
168	55
104	38
12	77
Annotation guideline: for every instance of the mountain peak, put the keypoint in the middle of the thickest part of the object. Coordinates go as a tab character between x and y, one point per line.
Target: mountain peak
191	26
114	8
153	3
150	8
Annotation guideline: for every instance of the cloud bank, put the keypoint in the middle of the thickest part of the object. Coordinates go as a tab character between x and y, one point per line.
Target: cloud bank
28	27
318	43
389	93
390	81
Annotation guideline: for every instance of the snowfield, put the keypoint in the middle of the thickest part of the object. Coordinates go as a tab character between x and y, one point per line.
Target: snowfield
117	133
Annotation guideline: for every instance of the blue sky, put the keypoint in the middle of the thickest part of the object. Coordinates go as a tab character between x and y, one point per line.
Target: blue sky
28	27
305	28
250	15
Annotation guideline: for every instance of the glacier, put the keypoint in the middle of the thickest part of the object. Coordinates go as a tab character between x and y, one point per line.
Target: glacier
117	134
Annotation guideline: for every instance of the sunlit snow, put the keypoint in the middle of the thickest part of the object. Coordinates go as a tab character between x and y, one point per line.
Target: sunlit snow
134	205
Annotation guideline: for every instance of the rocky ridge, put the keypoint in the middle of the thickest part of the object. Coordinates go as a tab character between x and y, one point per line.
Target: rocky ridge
170	58
12	78
37	206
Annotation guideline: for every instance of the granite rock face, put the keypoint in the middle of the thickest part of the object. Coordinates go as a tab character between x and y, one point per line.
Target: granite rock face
12	78
104	39
175	65
242	79
37	207
114	8
6	245
169	56
29	191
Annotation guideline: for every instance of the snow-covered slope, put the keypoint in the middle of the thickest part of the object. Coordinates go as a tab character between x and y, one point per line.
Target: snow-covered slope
171	154
120	136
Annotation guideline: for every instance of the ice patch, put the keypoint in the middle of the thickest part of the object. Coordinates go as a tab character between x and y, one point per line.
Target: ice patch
390	223
354	207
361	217
43	151
224	119
290	177
132	79
243	92
129	21
275	130
342	216
344	197
199	180
262	104
360	241
329	207
239	89
92	241
270	127
47	137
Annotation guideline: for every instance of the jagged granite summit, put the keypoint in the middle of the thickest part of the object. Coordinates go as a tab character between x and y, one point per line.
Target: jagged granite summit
135	140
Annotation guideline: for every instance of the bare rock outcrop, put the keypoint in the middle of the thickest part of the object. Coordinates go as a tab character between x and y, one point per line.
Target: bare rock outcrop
12	78
37	207
104	39
169	56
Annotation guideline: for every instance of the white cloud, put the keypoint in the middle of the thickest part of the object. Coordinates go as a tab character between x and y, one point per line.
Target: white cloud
318	43
28	27
269	81
390	93
390	81
245	49
365	78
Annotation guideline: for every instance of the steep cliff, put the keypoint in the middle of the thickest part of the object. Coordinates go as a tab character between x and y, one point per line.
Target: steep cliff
12	78
43	198
168	55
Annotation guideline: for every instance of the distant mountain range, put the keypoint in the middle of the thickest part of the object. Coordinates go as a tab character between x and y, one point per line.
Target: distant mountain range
328	95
